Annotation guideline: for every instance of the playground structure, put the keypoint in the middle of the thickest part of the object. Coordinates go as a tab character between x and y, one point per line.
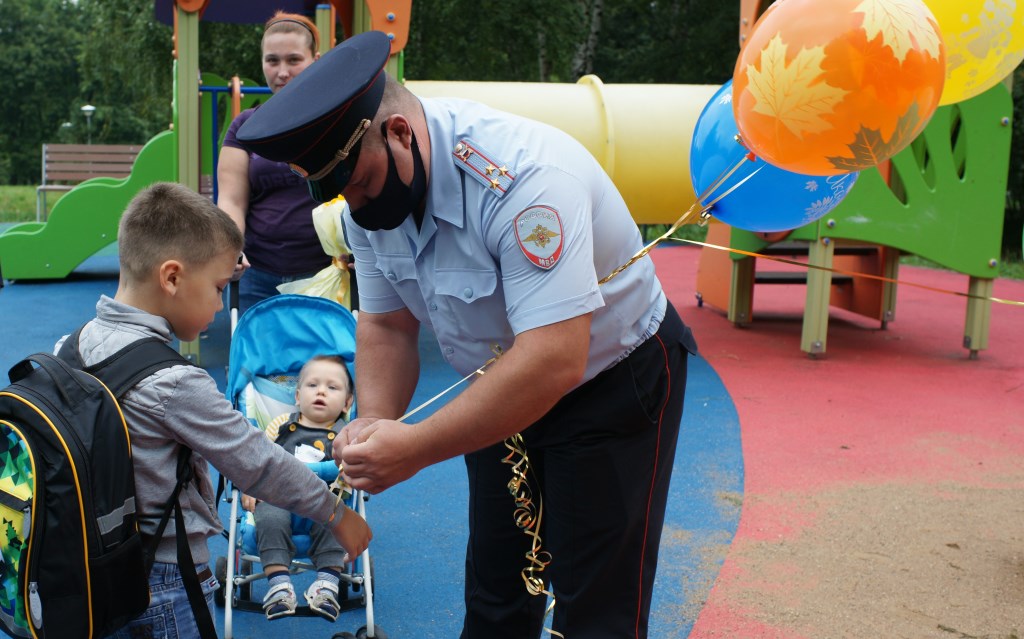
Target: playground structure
945	201
942	198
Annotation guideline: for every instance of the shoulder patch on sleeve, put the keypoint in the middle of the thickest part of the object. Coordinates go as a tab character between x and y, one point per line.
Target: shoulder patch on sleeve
483	167
539	233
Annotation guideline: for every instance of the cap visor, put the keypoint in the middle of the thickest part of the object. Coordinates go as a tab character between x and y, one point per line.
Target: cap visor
328	187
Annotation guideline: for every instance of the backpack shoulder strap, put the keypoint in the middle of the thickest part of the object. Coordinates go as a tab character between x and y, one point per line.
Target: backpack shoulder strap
69	350
134	363
128	366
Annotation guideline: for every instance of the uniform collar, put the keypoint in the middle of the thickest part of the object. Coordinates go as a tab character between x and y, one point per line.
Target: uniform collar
444	195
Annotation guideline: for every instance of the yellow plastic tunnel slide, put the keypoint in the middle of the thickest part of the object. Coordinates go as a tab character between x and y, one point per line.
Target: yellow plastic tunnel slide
640	133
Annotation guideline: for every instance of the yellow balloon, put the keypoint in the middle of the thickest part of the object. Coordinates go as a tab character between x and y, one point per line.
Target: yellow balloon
984	43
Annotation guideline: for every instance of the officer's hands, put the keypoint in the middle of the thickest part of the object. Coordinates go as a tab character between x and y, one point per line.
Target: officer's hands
352	532
385	453
348	435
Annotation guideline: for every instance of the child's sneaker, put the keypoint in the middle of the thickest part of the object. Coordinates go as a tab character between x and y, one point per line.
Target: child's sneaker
280	601
322	597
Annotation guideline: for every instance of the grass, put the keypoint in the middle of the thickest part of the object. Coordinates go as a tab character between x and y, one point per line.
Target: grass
18	203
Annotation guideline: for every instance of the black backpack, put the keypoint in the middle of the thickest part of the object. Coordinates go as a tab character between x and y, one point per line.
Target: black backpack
74	563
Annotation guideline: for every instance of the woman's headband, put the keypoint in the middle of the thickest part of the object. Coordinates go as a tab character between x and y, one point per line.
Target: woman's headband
316	40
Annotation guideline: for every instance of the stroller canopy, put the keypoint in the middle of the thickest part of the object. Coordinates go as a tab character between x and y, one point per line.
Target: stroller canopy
281	333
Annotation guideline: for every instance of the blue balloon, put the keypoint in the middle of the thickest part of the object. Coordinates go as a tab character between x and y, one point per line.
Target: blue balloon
764	197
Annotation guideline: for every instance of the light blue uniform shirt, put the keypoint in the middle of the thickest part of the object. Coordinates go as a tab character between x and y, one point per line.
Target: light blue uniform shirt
464	272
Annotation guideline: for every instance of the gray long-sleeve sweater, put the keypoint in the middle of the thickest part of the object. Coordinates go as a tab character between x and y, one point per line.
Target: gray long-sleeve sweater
182	405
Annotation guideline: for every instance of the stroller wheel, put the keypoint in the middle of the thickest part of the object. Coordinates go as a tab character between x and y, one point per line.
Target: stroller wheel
343	635
221	573
377	633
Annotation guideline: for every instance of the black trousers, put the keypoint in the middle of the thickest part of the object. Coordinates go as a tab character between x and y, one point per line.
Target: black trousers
601	459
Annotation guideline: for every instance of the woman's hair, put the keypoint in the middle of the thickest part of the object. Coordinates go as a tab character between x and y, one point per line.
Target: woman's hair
294	23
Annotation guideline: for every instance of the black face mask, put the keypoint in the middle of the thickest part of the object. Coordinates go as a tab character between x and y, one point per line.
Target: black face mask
388	210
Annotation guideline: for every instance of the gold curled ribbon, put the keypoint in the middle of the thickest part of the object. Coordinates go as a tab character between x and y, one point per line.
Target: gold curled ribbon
528	516
839	271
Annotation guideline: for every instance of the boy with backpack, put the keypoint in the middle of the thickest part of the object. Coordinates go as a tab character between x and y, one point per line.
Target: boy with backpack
177	255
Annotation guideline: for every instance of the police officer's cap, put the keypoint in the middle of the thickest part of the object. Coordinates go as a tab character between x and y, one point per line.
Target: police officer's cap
316	121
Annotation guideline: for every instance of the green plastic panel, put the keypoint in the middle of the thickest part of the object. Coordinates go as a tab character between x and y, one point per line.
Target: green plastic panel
85	220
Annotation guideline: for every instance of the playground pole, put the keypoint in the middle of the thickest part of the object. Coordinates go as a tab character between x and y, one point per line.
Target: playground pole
186	126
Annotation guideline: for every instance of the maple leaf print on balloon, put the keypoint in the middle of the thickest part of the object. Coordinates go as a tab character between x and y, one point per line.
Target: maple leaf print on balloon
900	26
788	92
869	148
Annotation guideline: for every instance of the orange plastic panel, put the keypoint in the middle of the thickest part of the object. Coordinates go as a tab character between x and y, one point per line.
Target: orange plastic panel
393	18
191	6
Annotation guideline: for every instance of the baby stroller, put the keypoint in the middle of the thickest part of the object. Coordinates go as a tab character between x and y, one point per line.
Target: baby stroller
269	345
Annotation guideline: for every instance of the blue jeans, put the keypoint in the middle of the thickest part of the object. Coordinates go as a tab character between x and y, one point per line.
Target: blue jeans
257	285
169	615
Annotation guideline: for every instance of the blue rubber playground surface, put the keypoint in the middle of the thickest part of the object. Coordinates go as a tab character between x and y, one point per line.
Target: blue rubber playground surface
420	526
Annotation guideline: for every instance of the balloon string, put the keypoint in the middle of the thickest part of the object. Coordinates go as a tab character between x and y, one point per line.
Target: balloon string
840	271
498	352
703	208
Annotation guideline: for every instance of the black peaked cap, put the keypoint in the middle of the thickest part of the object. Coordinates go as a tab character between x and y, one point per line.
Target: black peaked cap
313	116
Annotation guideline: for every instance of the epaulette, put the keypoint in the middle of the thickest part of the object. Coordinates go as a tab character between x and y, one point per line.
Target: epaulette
483	167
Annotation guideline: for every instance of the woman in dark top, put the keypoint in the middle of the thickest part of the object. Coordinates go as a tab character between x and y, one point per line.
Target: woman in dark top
269	203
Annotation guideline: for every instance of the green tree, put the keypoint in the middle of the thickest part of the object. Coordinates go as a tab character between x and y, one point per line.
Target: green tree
39	40
668	41
125	70
128	72
526	41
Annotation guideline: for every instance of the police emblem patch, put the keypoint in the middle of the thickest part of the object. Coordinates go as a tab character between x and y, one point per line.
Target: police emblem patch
539	233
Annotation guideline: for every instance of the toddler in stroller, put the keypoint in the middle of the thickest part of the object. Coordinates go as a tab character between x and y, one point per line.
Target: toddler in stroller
272	342
324	396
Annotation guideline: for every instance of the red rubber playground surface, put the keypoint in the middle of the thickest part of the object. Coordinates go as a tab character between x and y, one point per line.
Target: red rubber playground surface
885	412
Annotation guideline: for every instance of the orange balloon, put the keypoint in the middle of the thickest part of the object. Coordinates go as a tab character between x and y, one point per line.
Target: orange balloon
825	88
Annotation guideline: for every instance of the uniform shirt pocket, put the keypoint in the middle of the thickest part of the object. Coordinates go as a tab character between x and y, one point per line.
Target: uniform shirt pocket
466	285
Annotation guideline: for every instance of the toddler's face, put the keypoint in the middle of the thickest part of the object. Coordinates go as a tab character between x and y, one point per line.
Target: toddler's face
323	393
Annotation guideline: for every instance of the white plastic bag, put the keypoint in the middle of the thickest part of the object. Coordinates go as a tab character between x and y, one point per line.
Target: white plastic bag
334	281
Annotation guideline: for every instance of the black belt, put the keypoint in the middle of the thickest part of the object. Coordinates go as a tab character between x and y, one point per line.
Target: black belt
204	574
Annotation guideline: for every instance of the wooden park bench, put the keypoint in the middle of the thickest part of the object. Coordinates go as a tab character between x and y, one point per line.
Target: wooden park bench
67	165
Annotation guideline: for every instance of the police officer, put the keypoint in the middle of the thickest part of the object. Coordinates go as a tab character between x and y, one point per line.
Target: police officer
494	230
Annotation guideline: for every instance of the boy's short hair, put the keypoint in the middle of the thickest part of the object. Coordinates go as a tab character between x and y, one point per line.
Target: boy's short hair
169	221
337	359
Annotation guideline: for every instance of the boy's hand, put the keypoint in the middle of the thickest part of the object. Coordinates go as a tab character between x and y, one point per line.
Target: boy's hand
352	532
249	503
240	268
